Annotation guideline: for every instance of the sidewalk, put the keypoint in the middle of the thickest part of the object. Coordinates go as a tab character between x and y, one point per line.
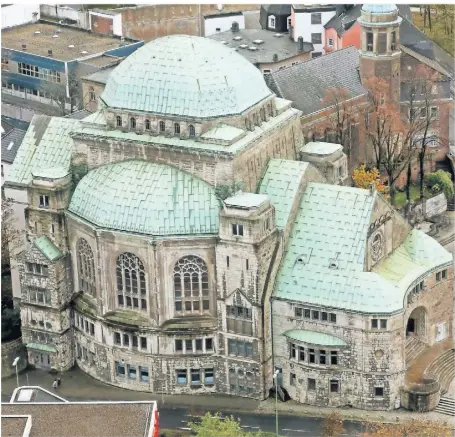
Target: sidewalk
78	386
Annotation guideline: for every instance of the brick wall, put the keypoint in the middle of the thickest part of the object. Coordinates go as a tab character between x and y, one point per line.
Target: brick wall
100	24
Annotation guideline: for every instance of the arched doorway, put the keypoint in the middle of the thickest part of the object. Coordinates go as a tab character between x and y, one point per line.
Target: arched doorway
416	325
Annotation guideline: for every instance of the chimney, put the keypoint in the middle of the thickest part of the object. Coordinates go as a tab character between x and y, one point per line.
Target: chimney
24	47
49	52
235	26
300	43
275	58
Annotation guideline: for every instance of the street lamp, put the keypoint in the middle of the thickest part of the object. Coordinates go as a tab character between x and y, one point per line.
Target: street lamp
275	381
16	360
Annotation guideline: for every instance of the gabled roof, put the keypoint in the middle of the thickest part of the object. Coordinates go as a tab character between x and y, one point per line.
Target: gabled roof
11	142
305	84
48	248
79	115
281	183
415	40
46	145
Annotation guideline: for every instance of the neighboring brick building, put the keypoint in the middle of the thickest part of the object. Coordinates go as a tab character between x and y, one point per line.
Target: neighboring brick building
384	54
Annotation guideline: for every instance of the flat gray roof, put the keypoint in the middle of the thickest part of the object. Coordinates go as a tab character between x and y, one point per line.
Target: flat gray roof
283	46
39	44
100	76
81	419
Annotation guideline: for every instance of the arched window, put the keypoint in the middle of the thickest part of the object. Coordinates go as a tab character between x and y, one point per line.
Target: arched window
192	131
118	121
147	124
255	119
191	285
176	129
269	106
162	126
131	284
85	267
133	123
91	94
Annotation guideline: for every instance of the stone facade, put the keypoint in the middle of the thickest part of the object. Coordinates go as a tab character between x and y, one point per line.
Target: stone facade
11	350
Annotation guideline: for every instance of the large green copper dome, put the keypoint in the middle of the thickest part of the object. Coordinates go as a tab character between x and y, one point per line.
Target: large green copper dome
146	198
185	76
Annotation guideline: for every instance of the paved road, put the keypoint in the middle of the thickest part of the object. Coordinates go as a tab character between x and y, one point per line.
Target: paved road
289	426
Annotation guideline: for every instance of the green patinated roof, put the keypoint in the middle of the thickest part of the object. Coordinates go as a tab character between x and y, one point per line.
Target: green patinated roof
320	148
51	173
187	143
142	197
281	183
48	248
46	145
187	76
332	223
246	200
41	347
126	317
223	132
314	337
418	254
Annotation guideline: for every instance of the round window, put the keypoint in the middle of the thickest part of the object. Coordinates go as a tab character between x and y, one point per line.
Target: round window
379	354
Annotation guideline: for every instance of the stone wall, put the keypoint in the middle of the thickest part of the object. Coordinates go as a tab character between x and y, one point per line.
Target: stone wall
11	350
421	397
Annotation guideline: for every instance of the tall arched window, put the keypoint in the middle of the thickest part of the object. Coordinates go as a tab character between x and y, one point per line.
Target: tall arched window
85	267
191	285
147	124
176	129
118	121
162	126
133	123
131	284
262	114
192	131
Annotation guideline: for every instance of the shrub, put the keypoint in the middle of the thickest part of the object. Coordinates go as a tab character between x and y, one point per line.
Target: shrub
442	179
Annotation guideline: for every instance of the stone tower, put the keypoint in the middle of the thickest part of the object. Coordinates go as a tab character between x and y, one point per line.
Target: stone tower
380	52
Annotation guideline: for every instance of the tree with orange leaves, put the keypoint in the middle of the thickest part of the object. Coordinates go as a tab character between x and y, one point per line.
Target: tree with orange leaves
409	428
363	178
387	132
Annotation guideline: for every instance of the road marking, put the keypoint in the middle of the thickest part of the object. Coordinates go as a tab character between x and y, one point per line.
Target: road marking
184	429
295	430
250	427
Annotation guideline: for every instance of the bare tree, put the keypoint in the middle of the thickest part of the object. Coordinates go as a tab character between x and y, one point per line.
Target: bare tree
57	92
11	236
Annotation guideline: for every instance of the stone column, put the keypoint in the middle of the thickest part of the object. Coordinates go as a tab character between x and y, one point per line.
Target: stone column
389	41
375	41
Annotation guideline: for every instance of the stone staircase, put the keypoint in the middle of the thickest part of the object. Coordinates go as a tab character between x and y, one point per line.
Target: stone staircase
446	406
414	347
443	369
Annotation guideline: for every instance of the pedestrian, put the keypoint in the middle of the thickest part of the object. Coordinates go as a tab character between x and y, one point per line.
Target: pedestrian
55	384
59	382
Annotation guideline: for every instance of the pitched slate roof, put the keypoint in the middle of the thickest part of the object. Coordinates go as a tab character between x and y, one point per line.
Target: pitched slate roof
6	127
11	143
46	145
414	39
147	198
305	84
79	115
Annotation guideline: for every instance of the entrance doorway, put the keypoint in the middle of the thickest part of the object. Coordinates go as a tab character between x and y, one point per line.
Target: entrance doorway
416	325
410	329
41	360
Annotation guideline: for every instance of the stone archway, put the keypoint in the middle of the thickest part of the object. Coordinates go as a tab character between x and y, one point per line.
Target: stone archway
417	324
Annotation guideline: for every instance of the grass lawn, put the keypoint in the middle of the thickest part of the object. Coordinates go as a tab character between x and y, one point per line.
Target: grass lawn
437	33
400	198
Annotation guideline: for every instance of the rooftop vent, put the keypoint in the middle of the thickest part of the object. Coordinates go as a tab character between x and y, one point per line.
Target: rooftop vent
235	26
301	259
333	264
49	52
24	47
252	48
54	36
71	46
278	35
275	58
258	41
37	32
84	52
243	46
223	42
237	38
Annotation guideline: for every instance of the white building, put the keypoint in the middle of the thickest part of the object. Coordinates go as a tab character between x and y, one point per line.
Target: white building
222	22
308	22
17	14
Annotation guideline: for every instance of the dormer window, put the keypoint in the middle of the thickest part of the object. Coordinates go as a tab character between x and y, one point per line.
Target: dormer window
191	130
162	126
147	124
118	121
176	129
237	230
133	123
